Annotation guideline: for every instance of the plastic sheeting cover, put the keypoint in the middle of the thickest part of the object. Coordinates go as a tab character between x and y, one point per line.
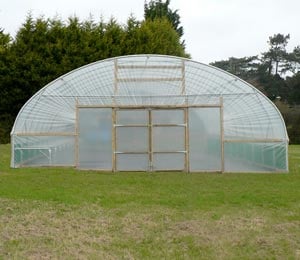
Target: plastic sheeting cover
251	124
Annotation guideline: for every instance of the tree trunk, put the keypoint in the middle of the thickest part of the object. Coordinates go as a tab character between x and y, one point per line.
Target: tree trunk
276	70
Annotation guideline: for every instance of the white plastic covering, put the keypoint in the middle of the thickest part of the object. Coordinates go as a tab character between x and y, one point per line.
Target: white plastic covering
173	114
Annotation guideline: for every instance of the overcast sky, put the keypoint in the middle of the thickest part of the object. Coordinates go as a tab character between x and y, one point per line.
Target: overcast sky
213	29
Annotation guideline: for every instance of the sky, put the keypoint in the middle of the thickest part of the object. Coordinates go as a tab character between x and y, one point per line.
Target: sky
213	29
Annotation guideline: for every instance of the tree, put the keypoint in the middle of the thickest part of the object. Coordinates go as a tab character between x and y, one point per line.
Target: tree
44	49
113	39
277	52
245	68
293	61
158	9
6	119
132	28
5	40
293	84
158	36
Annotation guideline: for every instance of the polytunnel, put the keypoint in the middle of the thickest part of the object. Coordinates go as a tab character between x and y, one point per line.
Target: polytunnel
150	113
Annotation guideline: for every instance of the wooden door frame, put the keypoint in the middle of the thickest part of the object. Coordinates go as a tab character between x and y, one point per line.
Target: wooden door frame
184	107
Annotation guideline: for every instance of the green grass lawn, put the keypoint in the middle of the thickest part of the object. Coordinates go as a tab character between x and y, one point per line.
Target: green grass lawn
65	213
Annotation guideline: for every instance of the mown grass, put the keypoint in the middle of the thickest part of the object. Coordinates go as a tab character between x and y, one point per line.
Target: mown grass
64	213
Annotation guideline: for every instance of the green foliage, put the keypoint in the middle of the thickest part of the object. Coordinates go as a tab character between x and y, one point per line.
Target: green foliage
293	85
291	115
5	40
267	74
161	37
293	59
277	53
242	67
159	9
44	49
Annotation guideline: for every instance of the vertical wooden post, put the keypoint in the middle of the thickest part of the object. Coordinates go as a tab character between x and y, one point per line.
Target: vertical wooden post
113	140
287	155
114	116
222	133
187	140
76	133
12	138
150	144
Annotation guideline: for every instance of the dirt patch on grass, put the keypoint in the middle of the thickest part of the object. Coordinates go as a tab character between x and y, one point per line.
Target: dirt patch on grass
238	235
48	230
40	230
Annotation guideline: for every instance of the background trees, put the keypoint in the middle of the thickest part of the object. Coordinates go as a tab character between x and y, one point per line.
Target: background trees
245	67
6	119
156	9
44	48
277	54
276	73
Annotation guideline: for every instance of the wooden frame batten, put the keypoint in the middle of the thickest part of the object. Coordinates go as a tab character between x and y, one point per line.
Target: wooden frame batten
77	135
114	141
222	134
187	140
47	133
118	106
150	144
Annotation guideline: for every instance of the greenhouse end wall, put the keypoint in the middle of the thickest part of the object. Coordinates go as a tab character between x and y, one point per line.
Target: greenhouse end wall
150	113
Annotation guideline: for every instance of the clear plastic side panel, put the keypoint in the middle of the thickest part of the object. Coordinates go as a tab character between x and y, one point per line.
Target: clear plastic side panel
132	139
255	157
171	116
44	151
205	139
132	162
168	161
168	138
132	117
95	138
251	117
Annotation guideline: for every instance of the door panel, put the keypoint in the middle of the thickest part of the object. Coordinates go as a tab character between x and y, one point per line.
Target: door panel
132	117
167	116
132	139
132	162
168	161
149	139
168	138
